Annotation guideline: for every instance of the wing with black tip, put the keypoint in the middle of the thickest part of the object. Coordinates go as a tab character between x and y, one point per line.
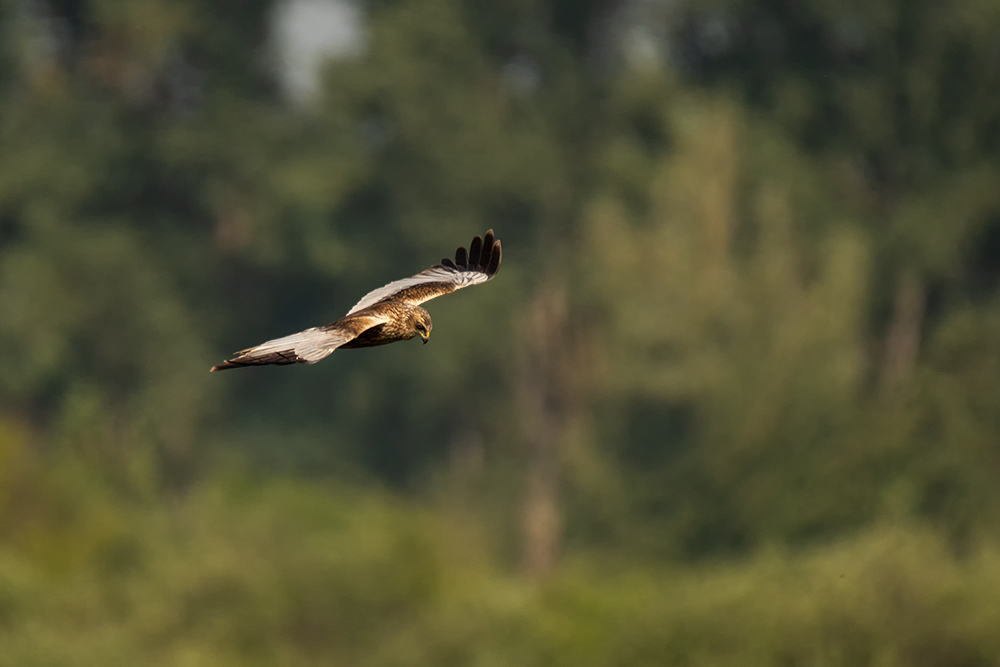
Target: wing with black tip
477	265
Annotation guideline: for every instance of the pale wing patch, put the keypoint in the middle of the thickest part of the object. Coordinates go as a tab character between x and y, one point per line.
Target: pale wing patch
308	346
305	347
437	274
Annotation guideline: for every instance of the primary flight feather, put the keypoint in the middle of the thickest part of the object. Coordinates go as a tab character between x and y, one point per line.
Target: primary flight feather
382	316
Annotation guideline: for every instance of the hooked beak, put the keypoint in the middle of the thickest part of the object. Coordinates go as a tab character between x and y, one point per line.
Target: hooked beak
425	338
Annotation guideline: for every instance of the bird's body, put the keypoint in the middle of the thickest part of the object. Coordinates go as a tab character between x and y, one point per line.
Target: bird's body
386	315
402	325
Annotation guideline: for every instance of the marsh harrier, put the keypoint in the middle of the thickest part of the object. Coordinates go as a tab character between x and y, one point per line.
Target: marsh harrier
385	315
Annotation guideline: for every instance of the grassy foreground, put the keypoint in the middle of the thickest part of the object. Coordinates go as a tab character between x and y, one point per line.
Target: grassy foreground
242	572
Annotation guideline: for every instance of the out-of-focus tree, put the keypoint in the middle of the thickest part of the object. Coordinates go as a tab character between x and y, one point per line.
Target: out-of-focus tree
900	96
733	350
896	100
101	261
724	318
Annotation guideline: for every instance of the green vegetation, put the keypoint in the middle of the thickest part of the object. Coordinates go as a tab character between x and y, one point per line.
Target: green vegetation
734	398
243	571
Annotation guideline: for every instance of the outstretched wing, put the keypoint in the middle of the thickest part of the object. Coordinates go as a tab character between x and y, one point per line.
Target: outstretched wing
305	347
478	265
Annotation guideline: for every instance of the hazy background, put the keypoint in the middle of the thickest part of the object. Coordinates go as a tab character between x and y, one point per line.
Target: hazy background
734	398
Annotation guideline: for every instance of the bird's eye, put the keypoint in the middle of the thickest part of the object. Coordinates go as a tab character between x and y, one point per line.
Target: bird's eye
421	327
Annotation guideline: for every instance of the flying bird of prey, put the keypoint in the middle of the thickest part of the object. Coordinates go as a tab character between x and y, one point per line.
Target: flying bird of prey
385	315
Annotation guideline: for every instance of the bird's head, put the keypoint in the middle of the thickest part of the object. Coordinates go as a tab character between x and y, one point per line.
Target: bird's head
420	324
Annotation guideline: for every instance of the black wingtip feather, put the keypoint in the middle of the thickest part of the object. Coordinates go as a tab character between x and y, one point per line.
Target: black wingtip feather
483	255
475	252
495	254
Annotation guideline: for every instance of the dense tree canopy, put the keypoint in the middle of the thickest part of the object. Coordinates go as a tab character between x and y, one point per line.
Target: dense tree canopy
740	370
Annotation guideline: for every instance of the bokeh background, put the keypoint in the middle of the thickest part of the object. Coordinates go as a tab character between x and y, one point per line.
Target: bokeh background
734	398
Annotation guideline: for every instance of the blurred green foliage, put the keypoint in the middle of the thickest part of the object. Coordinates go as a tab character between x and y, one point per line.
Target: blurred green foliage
284	572
734	399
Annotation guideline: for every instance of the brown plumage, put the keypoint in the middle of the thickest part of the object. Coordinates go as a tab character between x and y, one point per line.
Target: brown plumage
383	316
